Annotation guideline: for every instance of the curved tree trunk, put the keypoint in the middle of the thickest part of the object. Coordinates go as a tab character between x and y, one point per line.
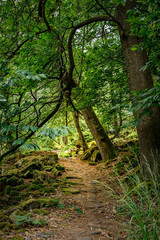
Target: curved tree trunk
80	133
104	144
149	128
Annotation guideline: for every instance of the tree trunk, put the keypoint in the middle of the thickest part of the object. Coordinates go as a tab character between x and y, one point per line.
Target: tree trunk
104	144
149	128
80	133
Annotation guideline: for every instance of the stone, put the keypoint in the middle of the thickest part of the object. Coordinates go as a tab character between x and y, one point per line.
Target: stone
88	153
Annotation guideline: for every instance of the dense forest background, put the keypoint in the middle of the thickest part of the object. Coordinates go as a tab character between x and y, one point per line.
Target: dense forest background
73	72
81	57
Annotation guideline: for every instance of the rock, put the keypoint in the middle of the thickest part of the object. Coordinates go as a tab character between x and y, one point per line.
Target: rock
71	190
30	167
95	157
14	181
29	204
88	153
95	232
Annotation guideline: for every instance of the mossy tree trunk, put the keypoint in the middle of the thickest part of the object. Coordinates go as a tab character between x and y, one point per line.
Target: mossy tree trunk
80	133
149	128
104	144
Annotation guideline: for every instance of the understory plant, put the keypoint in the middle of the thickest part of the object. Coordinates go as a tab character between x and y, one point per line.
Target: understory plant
141	202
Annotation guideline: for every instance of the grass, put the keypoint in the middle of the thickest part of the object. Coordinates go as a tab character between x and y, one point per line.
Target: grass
141	203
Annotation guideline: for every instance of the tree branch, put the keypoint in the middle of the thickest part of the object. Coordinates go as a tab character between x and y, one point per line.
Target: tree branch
13	149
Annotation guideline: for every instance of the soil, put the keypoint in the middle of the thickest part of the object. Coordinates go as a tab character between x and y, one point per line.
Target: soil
89	213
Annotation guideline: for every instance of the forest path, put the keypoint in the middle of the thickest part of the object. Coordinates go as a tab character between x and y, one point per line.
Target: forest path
100	220
89	213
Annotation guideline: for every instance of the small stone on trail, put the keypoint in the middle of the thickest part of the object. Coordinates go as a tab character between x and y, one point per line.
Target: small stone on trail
95	232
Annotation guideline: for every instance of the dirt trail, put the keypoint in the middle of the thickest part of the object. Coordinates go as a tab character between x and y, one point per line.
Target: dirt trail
90	213
100	219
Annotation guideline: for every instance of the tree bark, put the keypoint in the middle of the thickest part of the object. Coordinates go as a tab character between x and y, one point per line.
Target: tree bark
104	144
149	127
80	133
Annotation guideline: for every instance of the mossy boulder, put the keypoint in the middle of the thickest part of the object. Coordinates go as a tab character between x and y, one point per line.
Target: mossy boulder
48	168
43	175
70	190
95	157
14	181
14	193
88	153
47	202
37	203
33	187
29	204
30	167
60	168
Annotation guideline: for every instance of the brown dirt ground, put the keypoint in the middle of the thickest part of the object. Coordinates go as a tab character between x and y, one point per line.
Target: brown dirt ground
99	219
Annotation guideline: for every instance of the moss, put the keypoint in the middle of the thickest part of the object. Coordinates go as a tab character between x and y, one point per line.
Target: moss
12	172
37	182
88	153
60	168
3	183
34	187
48	190
41	211
42	175
13	181
7	190
3	217
55	172
95	157
14	193
48	168
4	225
70	190
30	167
18	238
37	203
47	202
21	187
29	204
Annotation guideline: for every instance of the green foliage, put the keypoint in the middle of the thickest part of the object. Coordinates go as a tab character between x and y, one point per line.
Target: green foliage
141	203
27	220
144	101
55	132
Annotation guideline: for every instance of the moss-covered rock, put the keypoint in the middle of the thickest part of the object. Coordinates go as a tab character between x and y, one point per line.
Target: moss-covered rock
43	175
48	168
88	153
70	190
29	204
47	190
33	187
95	157
47	202
14	193
14	181
18	238
21	187
37	203
60	168
41	211
7	190
30	167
